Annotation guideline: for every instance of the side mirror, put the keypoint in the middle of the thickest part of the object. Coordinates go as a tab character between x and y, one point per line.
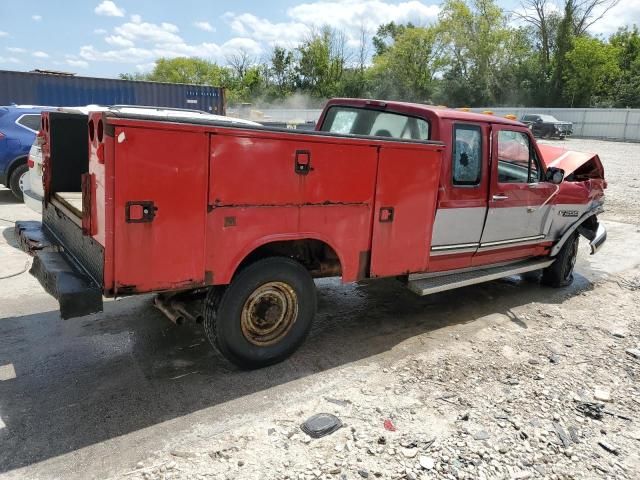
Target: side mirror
554	175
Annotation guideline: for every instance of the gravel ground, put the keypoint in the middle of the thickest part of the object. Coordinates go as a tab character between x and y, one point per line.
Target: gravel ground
508	402
505	380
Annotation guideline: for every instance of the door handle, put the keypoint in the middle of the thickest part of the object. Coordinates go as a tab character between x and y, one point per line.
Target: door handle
302	162
140	211
500	197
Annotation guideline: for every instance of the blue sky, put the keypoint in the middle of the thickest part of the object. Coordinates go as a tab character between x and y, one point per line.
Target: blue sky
107	37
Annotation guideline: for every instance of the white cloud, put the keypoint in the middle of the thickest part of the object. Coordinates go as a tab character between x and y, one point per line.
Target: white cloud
126	55
206	26
118	41
36	18
348	16
40	54
355	13
99	31
136	31
3	34
141	43
77	63
15	50
109	9
244	44
624	13
145	67
263	30
9	60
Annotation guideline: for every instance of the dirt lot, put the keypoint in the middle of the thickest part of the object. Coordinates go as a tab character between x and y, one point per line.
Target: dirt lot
492	381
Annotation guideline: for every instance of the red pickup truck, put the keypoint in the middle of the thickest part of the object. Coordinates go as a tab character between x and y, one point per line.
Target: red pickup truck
230	224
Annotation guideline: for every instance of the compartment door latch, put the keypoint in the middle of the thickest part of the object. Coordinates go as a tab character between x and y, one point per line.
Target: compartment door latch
142	211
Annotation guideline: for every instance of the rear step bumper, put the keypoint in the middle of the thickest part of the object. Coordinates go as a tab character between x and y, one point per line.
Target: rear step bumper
57	272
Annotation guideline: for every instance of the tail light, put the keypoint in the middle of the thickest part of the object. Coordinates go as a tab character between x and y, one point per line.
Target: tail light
39	138
31	163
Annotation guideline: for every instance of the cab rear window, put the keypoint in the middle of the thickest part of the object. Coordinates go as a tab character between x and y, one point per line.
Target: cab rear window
368	122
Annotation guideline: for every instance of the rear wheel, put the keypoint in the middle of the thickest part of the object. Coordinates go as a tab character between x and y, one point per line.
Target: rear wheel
560	272
18	180
264	315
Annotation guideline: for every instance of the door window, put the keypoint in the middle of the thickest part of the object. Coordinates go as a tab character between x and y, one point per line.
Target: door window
517	161
467	155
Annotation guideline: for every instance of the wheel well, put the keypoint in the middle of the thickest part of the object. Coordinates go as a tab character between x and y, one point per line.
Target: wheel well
315	255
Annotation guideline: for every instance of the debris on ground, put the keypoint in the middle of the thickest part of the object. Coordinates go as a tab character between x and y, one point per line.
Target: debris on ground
602	394
320	425
389	426
608	447
590	409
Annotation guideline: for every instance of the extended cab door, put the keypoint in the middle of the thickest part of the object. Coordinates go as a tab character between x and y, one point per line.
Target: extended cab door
518	200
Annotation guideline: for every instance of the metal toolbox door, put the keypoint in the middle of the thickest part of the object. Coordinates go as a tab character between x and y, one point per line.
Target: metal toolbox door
160	209
405	205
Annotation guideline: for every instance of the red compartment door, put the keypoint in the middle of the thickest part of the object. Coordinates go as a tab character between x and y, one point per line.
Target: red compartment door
160	208
405	206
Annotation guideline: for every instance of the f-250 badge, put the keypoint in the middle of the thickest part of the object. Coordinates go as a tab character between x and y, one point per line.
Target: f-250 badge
568	213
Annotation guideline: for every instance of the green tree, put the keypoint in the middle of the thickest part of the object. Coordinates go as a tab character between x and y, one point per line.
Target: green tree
591	68
626	93
476	36
406	68
322	63
282	72
387	34
564	44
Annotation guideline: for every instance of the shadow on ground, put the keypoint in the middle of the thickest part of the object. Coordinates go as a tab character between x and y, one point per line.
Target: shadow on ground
88	380
7	198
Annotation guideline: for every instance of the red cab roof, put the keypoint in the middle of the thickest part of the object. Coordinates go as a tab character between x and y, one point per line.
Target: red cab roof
417	108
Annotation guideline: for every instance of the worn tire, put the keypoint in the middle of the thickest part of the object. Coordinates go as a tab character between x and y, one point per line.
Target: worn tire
254	297
560	272
14	181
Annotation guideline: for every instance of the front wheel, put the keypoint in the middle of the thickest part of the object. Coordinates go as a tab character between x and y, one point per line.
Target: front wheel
560	272
264	315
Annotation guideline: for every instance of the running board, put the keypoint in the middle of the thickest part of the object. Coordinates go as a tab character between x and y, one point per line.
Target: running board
427	286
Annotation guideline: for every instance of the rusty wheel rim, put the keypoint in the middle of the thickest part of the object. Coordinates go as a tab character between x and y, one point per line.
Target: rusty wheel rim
269	313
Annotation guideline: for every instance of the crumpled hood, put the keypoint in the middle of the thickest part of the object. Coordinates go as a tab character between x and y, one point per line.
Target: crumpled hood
587	165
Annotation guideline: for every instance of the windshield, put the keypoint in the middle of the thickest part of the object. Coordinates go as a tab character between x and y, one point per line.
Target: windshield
369	122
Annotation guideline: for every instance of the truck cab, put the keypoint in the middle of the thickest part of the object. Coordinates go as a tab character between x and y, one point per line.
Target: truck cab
497	197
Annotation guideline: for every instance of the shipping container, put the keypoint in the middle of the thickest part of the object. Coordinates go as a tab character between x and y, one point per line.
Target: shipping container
65	90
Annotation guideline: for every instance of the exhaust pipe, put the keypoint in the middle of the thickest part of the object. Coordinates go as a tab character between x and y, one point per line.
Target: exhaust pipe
173	315
176	311
182	309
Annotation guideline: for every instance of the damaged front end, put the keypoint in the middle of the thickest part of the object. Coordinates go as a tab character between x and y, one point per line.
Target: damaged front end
583	183
577	166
